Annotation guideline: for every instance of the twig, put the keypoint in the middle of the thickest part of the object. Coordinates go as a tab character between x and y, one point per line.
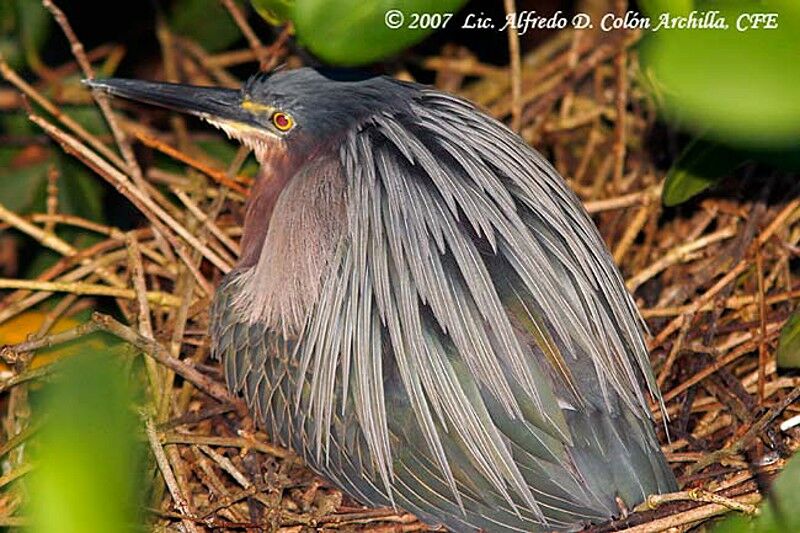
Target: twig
132	166
677	254
740	267
52	196
100	322
692	516
516	67
20	437
705	372
732	302
17	473
152	211
217	175
633	230
206	221
673	354
156	297
762	318
52	241
169	477
696	495
753	432
194	49
227	466
157	352
228	442
247	31
621	101
24	376
59	115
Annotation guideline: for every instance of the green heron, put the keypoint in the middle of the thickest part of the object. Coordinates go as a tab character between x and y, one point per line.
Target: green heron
423	310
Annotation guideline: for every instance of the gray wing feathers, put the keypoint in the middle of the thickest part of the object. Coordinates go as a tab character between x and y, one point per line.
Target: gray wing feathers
451	219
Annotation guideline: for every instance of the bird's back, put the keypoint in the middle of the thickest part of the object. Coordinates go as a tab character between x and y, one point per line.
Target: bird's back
472	355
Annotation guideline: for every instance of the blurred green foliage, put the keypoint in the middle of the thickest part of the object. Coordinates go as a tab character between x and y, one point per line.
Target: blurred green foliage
209	23
90	461
700	165
354	32
779	513
736	86
24	179
24	27
737	90
788	353
274	11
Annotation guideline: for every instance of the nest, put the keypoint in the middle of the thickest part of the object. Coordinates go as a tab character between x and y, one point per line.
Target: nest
714	280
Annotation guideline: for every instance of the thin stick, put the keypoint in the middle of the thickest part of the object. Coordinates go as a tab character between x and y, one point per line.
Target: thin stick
221	75
152	211
696	495
707	371
228	442
227	466
156	297
160	354
673	355
12	77
732	302
516	67
16	474
169	477
626	200
100	322
217	175
139	286
632	231
762	318
678	254
52	196
691	517
48	239
132	166
732	274
252	39
621	101
206	221
753	432
145	324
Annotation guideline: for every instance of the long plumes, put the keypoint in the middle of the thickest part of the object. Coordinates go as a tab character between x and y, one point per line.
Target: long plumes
435	197
408	251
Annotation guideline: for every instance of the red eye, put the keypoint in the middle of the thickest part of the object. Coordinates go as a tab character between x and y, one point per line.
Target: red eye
282	121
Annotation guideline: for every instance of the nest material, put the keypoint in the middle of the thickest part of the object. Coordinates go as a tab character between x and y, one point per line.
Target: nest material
714	280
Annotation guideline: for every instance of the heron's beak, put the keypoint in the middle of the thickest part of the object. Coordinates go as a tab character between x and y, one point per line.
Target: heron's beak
214	104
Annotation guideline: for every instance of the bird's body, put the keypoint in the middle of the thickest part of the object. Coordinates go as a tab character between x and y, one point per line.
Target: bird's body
426	314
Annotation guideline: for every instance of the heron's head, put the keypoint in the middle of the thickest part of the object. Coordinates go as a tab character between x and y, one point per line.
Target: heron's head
294	112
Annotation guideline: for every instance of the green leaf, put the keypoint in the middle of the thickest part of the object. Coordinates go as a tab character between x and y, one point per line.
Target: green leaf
788	354
20	187
24	27
700	166
89	477
354	32
274	11
206	22
739	87
780	512
34	25
79	191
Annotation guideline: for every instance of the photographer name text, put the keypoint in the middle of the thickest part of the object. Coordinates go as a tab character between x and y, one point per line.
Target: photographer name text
525	21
